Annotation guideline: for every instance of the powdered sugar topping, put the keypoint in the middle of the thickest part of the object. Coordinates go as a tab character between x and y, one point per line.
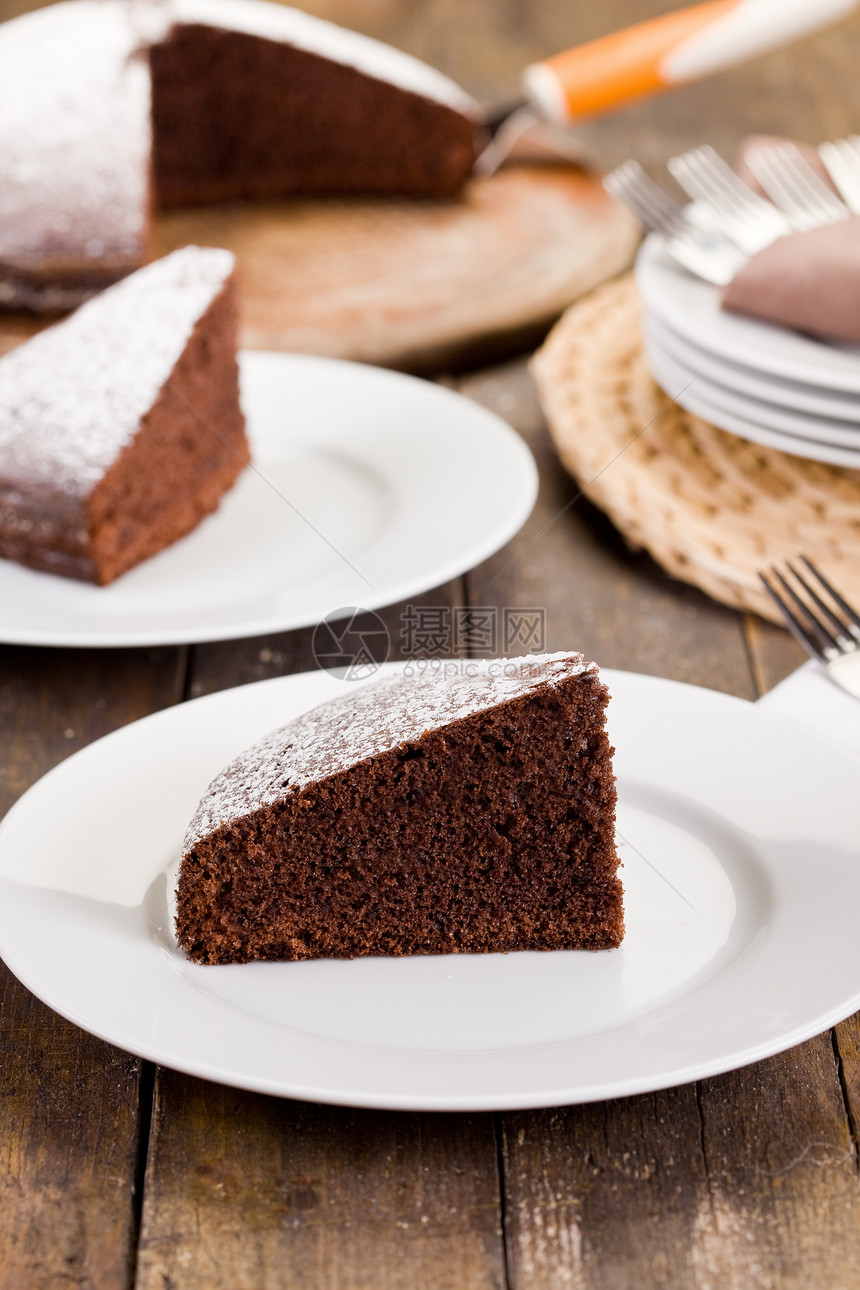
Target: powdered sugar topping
377	718
302	30
74	134
72	398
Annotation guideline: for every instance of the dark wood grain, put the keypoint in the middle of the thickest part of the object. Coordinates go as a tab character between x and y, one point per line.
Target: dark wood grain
251	1193
71	1107
748	1181
69	1117
782	1173
846	1039
600	1196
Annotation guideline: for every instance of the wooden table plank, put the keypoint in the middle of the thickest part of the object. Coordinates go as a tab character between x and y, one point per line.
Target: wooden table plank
70	1106
782	1173
603	1196
847	1048
680	1184
69	1114
246	1192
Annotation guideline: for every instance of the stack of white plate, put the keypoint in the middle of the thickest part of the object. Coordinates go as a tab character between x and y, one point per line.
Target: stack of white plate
769	384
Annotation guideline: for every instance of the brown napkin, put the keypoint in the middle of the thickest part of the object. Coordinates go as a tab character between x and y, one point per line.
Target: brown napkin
809	281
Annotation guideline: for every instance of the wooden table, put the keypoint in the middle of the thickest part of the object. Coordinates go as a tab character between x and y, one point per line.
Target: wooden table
114	1174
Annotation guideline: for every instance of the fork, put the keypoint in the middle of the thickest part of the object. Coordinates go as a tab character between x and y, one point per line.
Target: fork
748	219
842	161
821	621
689	236
792	184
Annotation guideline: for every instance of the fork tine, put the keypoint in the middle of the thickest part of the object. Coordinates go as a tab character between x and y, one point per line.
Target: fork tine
795	164
817	626
761	163
654	206
823	608
818	196
793	623
648	187
795	180
648	202
697	182
745	218
702	249
708	162
618	186
784	174
842	163
849	612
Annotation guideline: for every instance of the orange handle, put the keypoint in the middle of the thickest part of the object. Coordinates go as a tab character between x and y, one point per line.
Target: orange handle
624	65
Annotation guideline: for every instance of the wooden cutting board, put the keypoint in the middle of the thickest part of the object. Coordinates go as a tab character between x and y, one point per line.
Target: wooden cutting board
420	286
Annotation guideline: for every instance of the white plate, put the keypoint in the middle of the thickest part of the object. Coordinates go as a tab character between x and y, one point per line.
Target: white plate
692	307
368	486
741	852
804	435
758	385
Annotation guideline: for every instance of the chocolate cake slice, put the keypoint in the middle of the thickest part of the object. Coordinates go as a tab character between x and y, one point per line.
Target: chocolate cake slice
251	99
120	428
211	99
418	815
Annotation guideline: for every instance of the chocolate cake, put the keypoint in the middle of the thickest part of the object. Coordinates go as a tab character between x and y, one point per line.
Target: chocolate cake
214	99
418	815
120	427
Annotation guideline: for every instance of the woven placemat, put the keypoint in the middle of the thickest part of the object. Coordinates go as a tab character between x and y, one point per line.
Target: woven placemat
711	508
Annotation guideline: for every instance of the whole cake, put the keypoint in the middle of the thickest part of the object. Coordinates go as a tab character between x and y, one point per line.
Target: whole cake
120	427
418	815
111	107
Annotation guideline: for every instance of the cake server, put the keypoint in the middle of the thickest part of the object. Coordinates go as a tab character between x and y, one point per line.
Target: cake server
674	49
